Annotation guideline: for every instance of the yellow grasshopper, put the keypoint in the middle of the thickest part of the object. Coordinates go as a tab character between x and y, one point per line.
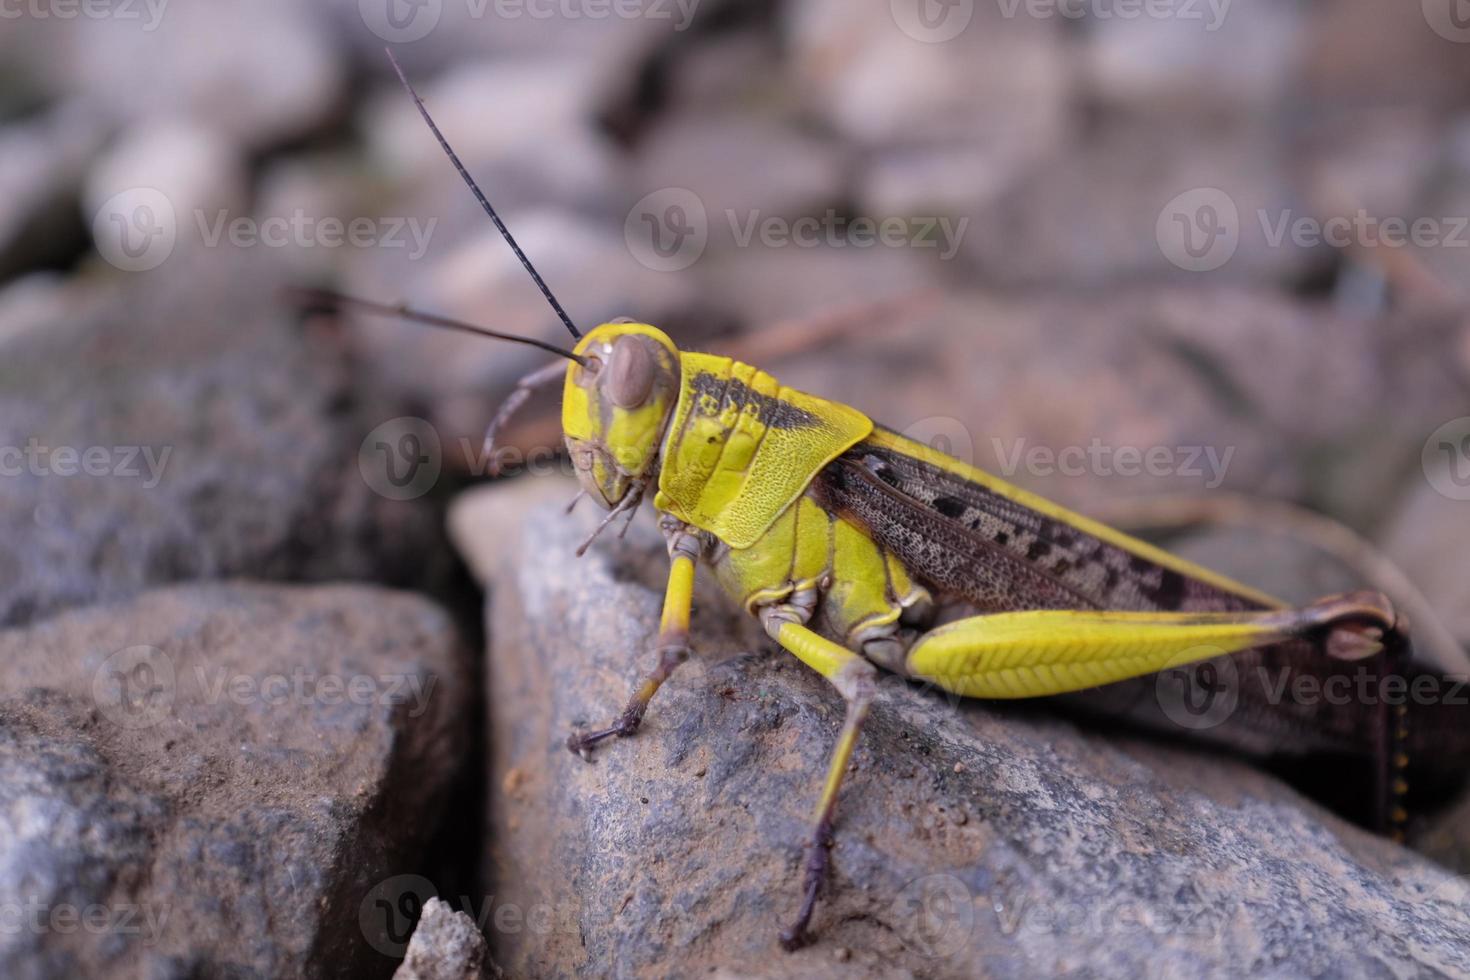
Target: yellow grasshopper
845	538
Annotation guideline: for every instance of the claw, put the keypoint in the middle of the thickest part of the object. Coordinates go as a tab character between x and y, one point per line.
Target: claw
577	745
795	936
581	744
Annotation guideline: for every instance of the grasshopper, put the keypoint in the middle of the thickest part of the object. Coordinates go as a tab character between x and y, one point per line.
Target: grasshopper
846	539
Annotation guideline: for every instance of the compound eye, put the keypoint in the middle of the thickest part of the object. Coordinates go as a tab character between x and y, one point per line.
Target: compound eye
630	373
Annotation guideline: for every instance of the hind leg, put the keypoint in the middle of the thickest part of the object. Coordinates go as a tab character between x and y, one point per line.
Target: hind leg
1045	652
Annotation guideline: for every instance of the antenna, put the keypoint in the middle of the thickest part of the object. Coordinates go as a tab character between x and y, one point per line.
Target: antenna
479	196
331	300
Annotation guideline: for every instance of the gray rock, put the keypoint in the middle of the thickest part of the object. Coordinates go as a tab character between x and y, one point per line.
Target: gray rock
881	75
611	41
1428	537
179	425
209	780
1380	160
189	176
954	110
971	839
726	70
743	169
1366	54
45	162
261	72
445	946
797	283
1207	59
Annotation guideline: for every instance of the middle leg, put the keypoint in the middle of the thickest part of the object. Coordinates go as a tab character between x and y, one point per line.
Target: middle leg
854	678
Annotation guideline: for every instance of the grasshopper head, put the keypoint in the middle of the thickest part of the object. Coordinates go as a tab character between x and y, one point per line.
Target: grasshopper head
615	407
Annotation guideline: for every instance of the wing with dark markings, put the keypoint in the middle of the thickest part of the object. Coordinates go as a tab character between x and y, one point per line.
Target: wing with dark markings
961	536
948	557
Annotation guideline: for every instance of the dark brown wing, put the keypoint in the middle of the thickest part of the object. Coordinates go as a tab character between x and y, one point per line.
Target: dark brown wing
948	557
949	530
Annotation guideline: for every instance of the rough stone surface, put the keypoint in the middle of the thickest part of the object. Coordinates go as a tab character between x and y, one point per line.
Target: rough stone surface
445	946
223	438
971	839
45	161
263	71
743	170
210	780
1429	537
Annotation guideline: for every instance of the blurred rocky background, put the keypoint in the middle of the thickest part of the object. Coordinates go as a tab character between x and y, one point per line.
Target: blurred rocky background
252	719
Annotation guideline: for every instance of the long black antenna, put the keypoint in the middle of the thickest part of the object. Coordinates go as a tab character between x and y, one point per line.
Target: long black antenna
479	196
331	300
